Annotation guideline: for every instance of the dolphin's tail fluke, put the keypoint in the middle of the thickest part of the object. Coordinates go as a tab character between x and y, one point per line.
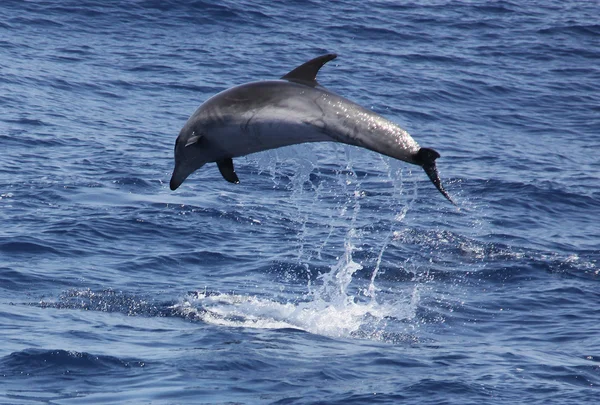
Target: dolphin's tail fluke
426	157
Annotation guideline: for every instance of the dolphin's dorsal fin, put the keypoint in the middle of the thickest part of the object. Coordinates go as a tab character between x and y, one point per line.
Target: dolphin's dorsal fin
307	72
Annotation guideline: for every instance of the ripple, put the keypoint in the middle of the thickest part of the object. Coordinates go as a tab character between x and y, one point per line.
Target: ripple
33	362
495	302
22	247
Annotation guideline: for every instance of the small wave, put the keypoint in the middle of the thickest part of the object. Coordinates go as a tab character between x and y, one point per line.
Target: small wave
41	361
15	280
24	247
216	12
151	67
579	374
499	7
479	393
106	301
366	30
133	181
577	30
36	22
28	122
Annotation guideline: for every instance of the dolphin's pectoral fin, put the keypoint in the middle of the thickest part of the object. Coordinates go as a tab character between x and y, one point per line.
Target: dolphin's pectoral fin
426	158
307	72
226	168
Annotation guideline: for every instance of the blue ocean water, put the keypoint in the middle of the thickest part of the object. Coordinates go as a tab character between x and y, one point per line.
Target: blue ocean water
330	274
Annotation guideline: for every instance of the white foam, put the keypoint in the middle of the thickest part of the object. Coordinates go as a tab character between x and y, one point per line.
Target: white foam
345	319
330	310
332	306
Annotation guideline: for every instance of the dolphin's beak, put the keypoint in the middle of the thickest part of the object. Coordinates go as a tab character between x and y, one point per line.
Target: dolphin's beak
181	172
174	184
177	178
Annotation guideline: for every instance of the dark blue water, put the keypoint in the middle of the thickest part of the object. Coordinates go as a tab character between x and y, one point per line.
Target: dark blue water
330	274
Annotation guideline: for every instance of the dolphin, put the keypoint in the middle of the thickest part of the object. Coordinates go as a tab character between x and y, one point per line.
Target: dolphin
295	109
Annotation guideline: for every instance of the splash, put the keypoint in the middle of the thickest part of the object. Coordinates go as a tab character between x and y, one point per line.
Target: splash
343	319
332	306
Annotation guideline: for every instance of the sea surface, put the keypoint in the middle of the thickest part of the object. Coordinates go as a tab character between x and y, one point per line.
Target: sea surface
330	274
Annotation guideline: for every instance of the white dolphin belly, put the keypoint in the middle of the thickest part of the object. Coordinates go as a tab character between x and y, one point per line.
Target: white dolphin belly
297	114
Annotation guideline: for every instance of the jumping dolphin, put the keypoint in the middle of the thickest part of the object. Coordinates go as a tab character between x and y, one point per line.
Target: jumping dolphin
270	114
